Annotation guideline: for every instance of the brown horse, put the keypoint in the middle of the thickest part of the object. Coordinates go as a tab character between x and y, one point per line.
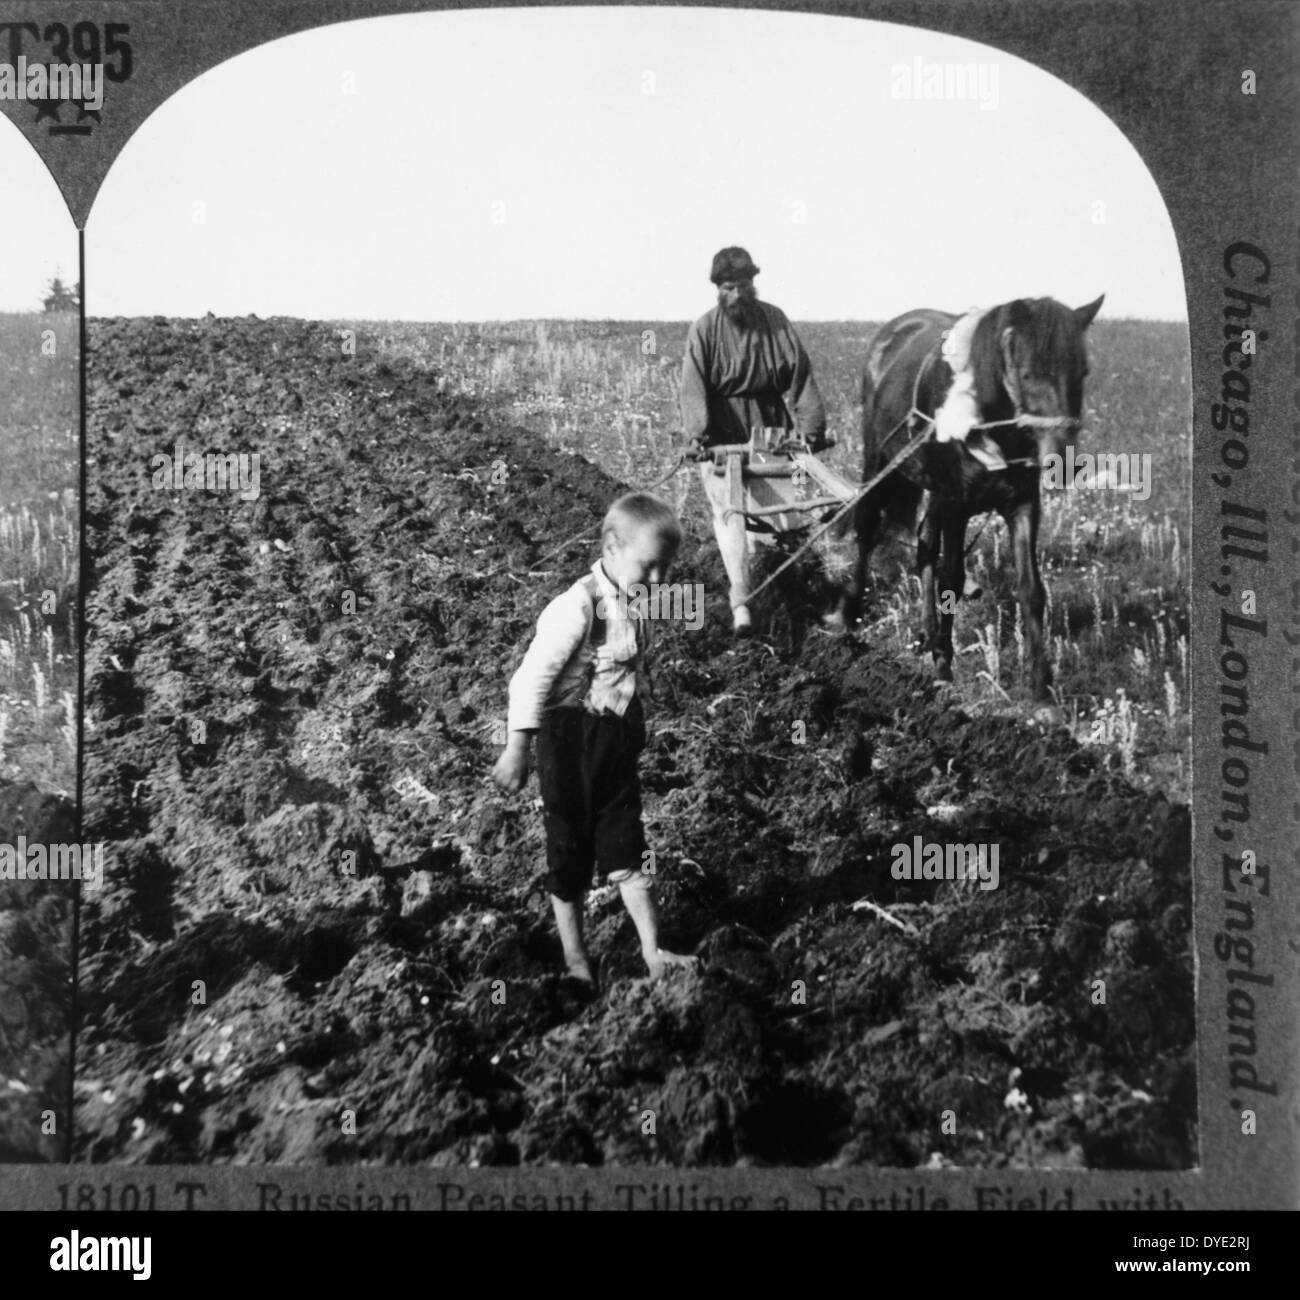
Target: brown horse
1027	366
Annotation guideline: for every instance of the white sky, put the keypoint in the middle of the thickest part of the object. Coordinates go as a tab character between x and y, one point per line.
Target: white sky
36	231
381	203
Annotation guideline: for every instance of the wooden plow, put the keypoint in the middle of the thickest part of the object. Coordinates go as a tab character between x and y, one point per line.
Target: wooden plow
774	482
775	485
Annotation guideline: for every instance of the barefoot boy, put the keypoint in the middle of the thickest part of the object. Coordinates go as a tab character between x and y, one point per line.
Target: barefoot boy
579	688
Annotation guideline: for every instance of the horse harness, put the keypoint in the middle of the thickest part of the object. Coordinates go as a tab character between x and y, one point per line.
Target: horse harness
1011	382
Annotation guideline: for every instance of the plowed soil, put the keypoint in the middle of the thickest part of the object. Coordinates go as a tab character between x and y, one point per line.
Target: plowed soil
324	935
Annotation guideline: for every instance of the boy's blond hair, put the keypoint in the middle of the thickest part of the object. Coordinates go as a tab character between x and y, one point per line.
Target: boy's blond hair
642	510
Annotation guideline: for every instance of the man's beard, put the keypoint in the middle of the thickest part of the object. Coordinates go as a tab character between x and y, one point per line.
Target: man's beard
744	312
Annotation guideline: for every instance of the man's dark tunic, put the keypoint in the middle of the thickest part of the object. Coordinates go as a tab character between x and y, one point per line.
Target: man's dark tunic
734	379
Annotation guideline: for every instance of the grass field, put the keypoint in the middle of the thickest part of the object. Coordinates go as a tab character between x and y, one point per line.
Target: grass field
1115	567
38	683
38	548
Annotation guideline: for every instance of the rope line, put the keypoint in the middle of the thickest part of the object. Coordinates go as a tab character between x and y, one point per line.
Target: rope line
872	482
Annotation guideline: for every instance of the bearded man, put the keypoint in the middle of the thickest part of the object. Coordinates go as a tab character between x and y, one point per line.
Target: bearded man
744	370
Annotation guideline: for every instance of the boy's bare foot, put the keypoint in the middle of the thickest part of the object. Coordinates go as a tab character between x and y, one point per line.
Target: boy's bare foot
662	959
568	920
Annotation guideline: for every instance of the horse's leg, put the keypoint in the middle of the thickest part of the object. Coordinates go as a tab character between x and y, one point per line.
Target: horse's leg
866	521
792	583
927	554
1022	523
952	564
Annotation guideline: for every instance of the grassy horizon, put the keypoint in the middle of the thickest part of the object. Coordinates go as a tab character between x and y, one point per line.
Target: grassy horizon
39	472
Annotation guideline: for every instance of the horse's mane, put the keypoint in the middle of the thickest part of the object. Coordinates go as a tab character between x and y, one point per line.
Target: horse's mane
1046	327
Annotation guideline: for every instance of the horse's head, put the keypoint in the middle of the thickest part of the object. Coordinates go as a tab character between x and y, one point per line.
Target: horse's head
1029	361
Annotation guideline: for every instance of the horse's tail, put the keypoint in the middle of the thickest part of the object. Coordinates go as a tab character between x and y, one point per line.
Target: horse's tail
867	391
866	425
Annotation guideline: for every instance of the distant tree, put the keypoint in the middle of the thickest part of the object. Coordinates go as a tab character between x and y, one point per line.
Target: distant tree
61	298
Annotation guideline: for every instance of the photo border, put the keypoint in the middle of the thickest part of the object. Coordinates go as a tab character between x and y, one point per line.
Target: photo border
1170	76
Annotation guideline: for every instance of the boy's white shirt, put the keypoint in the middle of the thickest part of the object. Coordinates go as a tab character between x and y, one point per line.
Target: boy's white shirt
554	670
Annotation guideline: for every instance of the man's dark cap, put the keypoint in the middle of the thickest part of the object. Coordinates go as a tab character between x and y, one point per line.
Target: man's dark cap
732	264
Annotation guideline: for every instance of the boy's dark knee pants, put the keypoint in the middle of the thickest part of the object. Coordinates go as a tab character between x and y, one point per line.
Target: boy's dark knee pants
591	796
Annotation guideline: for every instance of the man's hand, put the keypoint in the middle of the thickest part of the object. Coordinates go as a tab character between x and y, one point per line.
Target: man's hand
511	769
